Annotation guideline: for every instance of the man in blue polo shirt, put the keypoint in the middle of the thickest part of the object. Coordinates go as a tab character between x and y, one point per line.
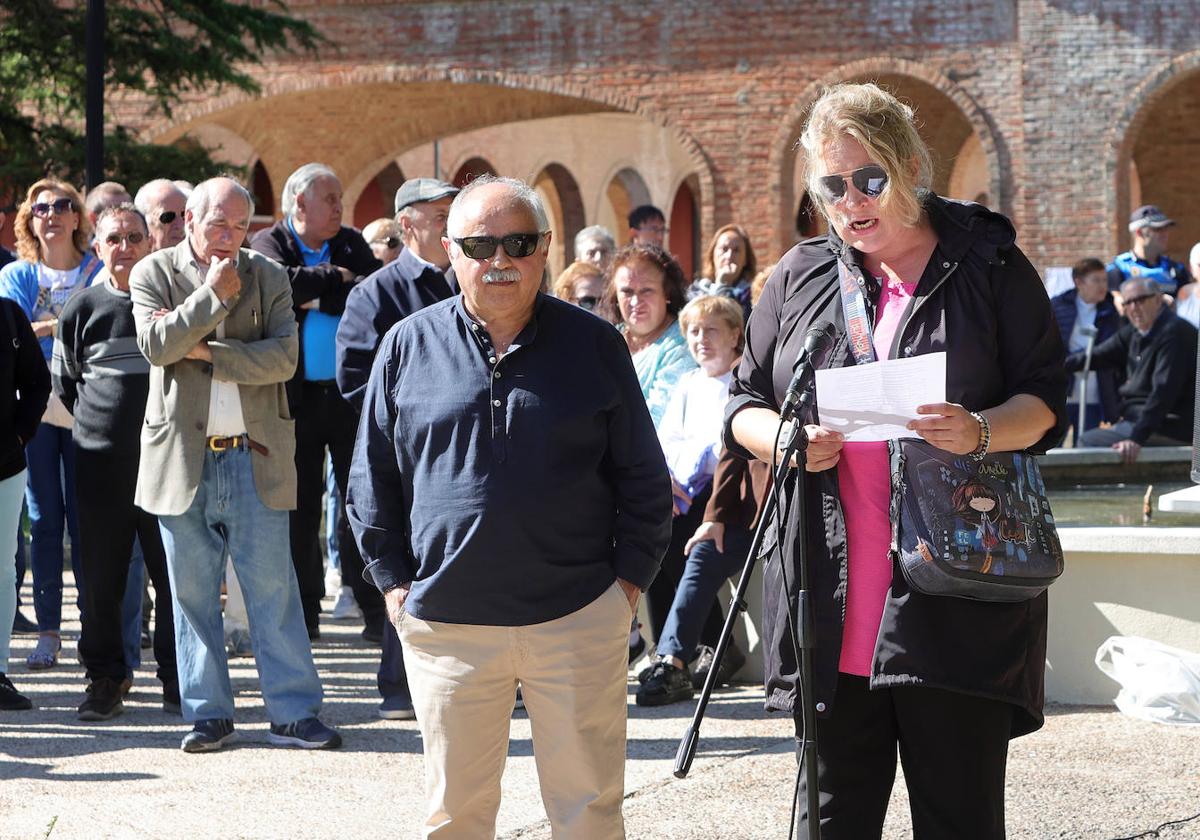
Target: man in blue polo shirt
324	259
1151	232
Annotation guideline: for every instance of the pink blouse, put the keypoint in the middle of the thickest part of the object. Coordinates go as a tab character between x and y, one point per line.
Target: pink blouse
865	486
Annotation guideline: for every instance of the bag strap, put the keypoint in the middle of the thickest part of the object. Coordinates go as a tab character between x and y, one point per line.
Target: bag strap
853	288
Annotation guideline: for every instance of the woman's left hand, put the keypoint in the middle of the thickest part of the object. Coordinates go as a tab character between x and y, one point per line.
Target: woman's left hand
950	427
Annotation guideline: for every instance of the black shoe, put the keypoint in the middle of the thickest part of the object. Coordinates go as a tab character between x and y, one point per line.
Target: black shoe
170	701
373	633
666	684
208	735
308	734
637	649
12	700
147	642
644	674
314	633
23	626
731	663
103	701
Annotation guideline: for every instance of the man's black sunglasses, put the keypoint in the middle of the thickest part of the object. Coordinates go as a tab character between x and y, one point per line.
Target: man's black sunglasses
166	217
389	242
515	245
870	180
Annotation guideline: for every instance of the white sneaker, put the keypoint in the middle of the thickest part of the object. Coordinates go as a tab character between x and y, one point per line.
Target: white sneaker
333	582
345	607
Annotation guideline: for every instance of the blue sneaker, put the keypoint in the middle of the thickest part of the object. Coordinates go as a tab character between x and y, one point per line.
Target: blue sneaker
308	734
397	707
208	735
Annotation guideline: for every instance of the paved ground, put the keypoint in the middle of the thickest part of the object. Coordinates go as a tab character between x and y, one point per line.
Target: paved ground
1090	773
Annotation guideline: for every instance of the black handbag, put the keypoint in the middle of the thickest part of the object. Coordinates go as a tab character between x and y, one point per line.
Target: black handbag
979	529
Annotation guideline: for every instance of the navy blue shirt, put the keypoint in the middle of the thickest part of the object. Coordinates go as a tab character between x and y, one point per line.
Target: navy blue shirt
508	490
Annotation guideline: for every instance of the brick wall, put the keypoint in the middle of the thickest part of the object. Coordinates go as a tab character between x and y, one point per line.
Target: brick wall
1060	95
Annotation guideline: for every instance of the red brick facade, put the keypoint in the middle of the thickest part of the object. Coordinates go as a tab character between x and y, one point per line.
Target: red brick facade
1060	97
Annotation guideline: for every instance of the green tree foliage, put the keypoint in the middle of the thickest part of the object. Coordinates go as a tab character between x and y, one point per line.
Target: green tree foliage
163	49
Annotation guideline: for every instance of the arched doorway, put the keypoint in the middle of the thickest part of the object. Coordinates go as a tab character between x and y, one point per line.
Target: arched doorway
684	231
626	190
377	199
264	197
1160	146
471	169
560	193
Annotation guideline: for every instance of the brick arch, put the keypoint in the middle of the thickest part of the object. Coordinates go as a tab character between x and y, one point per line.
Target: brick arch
1125	127
300	78
783	149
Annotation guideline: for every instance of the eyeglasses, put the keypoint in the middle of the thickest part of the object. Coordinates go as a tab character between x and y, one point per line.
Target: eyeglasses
166	217
1140	299
133	238
389	242
516	245
587	302
60	206
870	180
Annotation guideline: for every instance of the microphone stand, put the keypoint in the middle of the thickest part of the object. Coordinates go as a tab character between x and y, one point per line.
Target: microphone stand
803	641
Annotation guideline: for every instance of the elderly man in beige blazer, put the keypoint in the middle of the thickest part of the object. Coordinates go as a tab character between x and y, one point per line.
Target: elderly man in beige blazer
217	467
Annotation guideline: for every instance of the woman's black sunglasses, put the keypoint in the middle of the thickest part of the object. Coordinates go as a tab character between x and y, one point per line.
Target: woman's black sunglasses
870	180
515	245
389	242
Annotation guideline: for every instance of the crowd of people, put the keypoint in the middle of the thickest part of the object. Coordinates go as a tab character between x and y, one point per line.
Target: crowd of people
189	402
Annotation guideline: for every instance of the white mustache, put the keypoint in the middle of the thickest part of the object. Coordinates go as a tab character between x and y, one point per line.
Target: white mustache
502	275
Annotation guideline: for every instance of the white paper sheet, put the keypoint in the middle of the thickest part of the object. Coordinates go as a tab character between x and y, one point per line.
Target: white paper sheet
875	401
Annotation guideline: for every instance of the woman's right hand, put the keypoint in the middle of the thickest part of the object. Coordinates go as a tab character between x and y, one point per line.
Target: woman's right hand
45	328
824	448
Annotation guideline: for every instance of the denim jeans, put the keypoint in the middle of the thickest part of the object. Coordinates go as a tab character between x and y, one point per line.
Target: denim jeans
333	516
50	496
227	515
706	570
131	610
12	490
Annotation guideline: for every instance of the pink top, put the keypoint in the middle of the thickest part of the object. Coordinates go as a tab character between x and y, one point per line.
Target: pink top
865	488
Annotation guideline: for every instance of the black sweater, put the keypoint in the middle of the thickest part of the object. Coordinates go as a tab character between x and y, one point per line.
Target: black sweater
24	386
98	371
1160	373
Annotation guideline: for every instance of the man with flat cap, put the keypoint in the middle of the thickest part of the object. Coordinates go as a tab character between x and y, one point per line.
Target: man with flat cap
419	277
1147	259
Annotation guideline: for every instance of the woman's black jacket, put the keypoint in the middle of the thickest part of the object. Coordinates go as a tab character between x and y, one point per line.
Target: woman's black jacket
24	386
982	302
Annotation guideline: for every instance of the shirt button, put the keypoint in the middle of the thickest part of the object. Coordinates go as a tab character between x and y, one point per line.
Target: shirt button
908	351
199	427
496	375
496	403
820	707
945	265
475	327
491	360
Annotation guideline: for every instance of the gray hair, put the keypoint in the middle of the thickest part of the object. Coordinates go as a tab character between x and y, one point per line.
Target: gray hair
198	201
113	210
1145	284
142	200
299	182
595	233
519	191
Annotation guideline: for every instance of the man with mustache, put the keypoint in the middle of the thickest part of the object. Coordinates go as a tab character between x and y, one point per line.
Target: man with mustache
511	502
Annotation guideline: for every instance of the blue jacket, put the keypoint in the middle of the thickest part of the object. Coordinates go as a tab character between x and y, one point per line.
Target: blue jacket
1107	324
19	282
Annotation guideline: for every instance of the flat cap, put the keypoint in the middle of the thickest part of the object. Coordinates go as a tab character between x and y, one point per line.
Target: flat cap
417	190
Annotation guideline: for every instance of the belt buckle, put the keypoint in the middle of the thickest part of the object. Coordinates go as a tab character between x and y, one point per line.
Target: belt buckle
219	444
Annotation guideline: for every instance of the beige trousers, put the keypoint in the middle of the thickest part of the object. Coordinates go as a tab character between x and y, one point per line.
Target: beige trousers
572	672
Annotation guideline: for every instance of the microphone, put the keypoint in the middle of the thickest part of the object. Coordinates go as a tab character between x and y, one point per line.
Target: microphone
818	341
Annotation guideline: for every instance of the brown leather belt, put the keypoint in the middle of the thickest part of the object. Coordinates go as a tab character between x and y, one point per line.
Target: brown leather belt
222	444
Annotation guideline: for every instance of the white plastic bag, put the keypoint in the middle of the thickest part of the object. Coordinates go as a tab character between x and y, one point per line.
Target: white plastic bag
1159	683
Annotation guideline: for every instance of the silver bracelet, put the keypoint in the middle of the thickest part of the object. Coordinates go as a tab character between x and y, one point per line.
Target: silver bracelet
985	437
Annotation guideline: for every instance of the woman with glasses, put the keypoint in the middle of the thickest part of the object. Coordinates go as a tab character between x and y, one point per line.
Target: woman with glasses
581	283
55	263
729	267
383	236
945	681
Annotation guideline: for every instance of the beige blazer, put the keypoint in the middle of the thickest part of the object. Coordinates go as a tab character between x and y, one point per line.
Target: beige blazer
259	353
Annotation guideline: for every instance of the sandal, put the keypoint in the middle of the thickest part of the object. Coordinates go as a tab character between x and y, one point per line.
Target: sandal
45	655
